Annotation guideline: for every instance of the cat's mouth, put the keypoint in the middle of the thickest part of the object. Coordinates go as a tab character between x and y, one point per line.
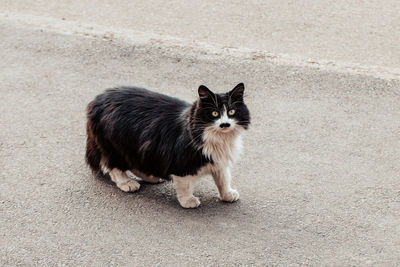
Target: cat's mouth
226	129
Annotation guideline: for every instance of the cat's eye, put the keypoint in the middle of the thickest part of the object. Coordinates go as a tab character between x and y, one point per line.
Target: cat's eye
215	113
231	112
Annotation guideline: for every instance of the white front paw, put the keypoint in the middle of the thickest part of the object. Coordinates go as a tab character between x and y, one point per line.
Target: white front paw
190	202
129	186
230	196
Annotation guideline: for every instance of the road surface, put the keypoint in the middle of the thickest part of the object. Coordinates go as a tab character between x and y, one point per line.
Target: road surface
319	177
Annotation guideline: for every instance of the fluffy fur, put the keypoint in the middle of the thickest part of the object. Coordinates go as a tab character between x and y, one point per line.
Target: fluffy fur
158	137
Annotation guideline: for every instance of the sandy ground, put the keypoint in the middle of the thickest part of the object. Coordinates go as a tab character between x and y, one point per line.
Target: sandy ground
319	178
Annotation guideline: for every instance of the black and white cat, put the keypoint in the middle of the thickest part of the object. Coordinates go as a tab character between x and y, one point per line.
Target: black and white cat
158	137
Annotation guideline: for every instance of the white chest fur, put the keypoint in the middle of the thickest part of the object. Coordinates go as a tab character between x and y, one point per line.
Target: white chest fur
223	148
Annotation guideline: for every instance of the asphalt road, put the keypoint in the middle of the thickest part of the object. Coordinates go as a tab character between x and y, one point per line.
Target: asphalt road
357	31
319	178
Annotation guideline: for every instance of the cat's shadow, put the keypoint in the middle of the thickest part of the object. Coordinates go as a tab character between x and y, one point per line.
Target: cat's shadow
163	196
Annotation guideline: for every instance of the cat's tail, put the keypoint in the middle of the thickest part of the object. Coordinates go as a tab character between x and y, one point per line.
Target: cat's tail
93	152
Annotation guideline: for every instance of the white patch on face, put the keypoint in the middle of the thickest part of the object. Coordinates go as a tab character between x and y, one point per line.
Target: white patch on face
222	146
223	120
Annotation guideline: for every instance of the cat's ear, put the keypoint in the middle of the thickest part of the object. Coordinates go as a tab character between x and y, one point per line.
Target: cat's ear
204	92
236	93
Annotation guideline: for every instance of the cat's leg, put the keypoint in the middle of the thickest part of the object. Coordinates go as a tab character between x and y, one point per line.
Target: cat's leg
123	182
222	179
184	187
147	178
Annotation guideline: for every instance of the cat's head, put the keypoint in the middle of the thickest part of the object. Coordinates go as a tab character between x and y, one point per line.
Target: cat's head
220	113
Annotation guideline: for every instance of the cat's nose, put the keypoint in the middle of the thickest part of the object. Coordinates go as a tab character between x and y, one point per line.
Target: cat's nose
224	125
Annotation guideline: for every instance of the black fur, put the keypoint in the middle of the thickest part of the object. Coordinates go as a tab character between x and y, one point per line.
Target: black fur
134	128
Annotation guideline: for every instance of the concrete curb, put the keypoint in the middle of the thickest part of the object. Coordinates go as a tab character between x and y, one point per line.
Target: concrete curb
190	48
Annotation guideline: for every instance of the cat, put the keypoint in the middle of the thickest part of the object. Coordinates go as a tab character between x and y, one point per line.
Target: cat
158	137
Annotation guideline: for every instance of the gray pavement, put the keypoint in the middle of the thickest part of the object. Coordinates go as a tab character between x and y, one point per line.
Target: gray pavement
362	32
319	178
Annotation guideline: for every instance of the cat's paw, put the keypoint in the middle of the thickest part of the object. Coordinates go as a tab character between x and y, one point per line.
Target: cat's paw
188	203
230	196
129	186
